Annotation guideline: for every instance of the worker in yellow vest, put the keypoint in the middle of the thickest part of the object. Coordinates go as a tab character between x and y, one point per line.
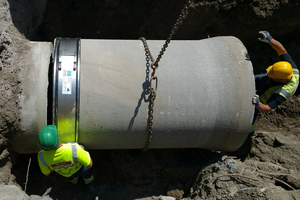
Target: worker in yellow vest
279	83
69	160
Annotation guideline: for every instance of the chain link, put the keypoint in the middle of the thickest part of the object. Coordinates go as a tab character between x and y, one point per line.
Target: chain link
154	66
152	97
179	21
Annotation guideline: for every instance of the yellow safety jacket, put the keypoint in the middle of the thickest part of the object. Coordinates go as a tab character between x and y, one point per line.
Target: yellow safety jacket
287	90
66	160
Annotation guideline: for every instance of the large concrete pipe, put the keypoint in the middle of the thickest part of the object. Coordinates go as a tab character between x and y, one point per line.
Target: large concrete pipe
33	100
204	93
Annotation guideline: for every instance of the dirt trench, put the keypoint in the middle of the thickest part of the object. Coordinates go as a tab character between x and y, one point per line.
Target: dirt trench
265	166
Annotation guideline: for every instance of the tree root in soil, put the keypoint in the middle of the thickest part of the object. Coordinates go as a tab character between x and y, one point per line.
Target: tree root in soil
260	173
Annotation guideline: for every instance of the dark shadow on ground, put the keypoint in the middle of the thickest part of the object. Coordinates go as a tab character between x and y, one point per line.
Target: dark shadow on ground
122	174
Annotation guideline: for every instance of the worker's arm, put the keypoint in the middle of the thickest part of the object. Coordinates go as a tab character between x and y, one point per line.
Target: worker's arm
47	174
46	170
84	157
265	36
277	46
265	108
91	163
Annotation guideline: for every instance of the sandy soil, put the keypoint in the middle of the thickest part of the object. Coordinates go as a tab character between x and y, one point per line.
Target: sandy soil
265	167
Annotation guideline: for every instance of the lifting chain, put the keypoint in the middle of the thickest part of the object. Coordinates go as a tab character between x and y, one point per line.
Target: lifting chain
154	66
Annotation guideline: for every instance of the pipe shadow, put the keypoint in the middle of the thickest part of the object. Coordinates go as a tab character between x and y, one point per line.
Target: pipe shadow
27	16
145	92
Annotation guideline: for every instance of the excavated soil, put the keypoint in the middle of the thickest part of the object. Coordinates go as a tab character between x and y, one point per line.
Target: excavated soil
265	167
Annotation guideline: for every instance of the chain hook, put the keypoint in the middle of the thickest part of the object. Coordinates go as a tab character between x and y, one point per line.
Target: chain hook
153	78
154	66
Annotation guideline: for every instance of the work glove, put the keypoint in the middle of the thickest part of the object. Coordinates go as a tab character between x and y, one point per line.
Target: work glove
265	36
255	100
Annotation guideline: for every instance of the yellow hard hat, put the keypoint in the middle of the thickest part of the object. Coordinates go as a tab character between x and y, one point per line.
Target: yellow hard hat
280	70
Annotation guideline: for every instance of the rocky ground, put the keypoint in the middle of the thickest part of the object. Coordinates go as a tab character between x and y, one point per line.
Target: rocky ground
265	167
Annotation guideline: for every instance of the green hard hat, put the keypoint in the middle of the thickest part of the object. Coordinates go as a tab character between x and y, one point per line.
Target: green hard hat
48	137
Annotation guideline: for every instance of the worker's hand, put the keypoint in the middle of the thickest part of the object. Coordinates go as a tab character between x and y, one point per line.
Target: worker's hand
265	36
255	100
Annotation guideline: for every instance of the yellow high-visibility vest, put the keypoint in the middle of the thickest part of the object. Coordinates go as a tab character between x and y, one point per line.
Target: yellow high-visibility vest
287	90
66	160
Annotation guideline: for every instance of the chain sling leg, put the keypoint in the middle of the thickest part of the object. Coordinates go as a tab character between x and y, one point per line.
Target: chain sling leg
154	66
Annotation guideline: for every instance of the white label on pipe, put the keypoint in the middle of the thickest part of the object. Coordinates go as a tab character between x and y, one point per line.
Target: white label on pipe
67	69
67	82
